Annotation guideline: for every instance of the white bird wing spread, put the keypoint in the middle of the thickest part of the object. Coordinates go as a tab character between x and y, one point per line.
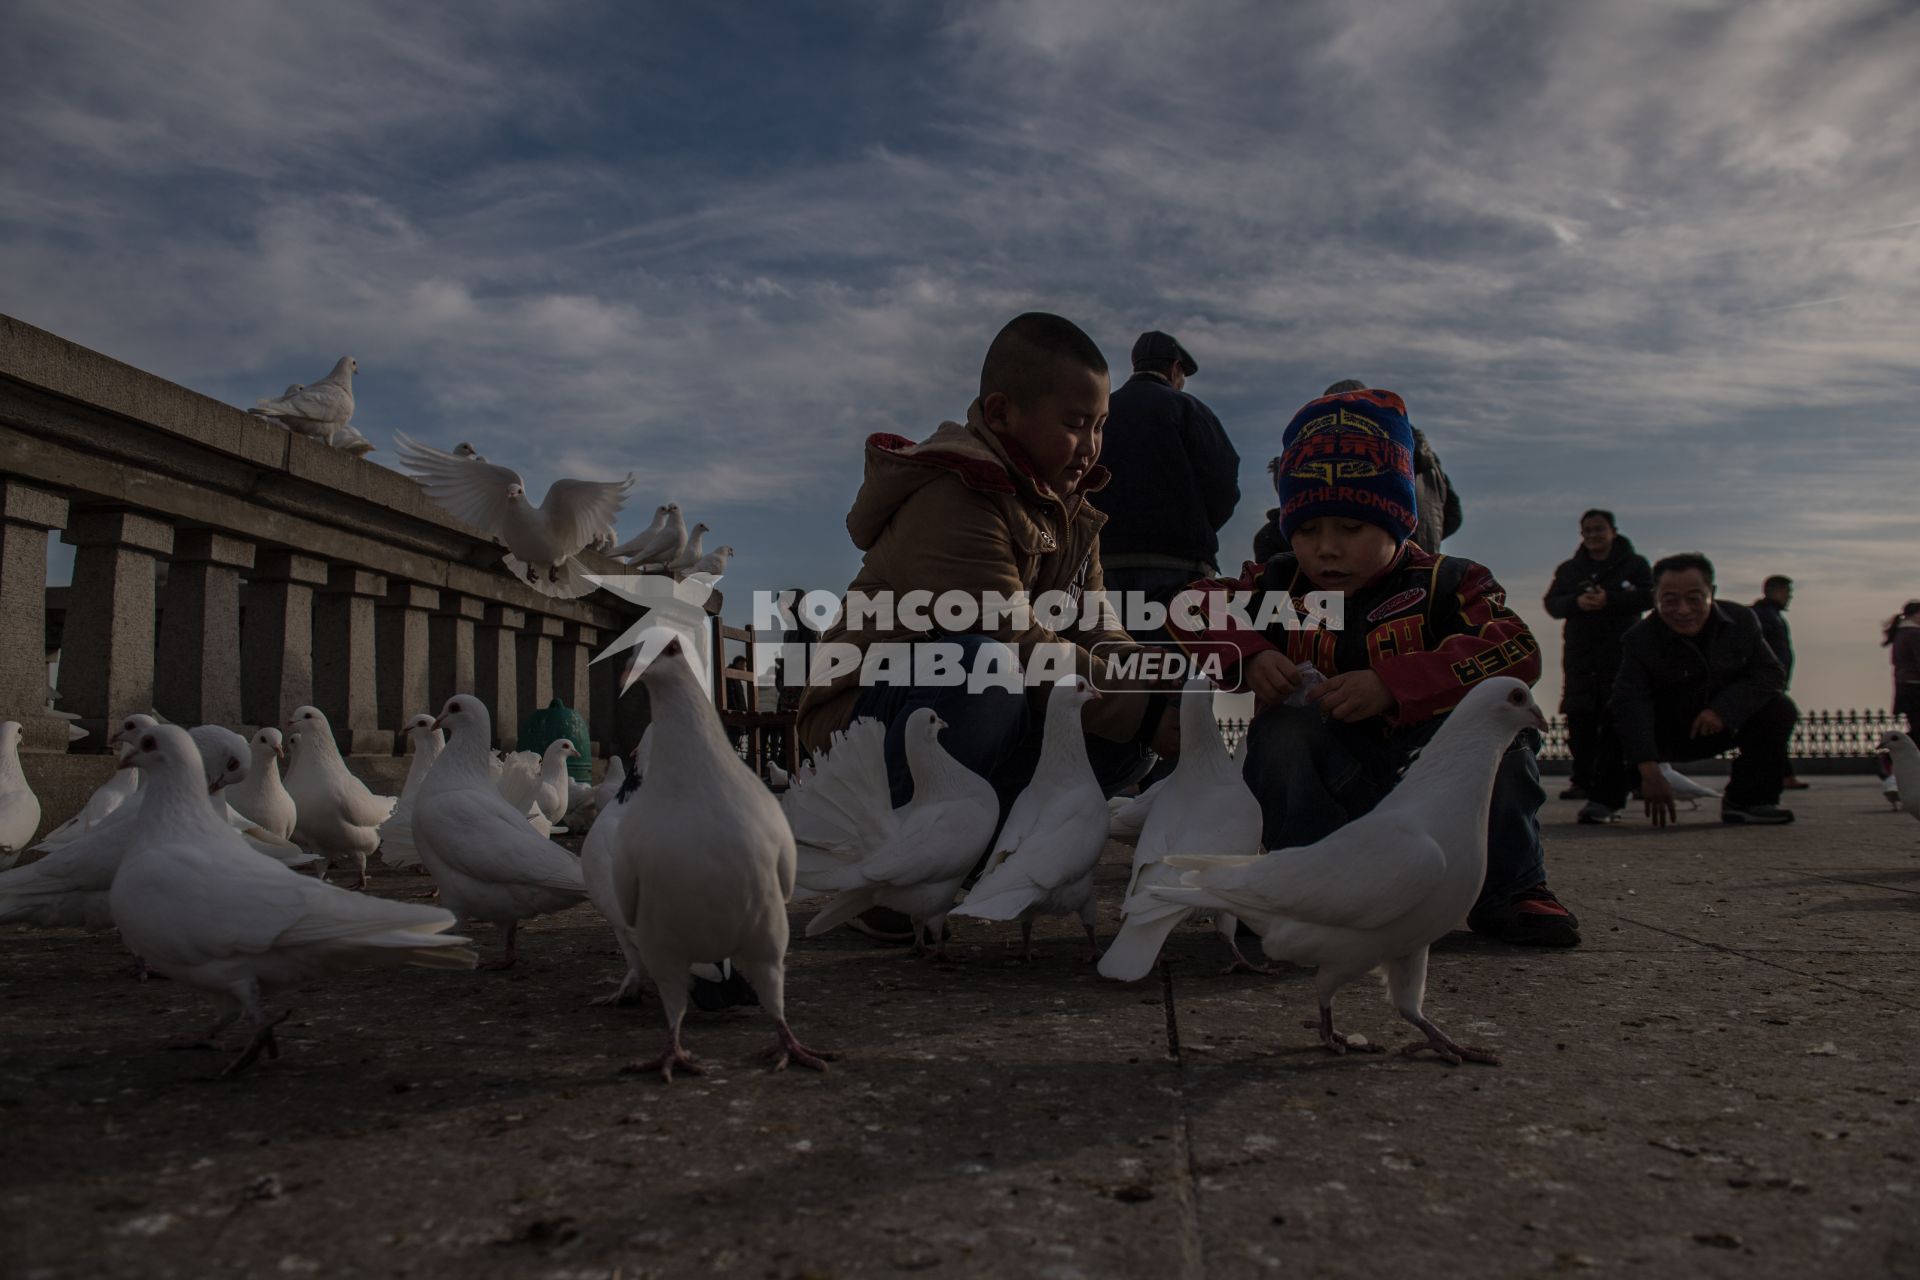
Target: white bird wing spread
845	806
499	847
579	511
321	402
1363	876
469	490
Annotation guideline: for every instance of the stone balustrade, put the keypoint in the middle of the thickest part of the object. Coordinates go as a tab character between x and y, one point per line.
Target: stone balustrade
293	573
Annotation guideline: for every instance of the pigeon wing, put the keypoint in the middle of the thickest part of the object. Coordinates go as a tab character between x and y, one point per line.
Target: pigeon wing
471	491
581	511
1363	876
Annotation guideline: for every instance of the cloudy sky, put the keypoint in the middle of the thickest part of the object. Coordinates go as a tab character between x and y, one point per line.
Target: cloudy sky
1662	257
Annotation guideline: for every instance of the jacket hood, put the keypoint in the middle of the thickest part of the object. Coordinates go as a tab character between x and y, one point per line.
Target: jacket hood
897	468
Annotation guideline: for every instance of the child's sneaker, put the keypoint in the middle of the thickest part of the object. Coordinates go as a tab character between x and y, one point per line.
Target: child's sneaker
1755	815
1532	918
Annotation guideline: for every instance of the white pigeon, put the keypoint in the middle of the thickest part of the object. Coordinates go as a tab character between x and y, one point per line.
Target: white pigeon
1380	890
1127	815
610	784
1203	806
554	794
1906	769
662	545
711	565
193	904
338	817
1044	858
489	864
396	833
685	558
19	807
541	541
853	843
704	865
1685	788
349	440
516	776
68	886
261	796
644	538
318	409
776	776
105	800
468	452
597	854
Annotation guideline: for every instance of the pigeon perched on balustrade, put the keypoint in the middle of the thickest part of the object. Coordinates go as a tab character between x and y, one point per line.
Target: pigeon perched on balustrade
541	541
192	904
317	410
1380	890
854	844
1044	856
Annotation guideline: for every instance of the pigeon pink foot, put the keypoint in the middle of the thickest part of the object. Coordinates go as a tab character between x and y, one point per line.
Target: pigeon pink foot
787	1048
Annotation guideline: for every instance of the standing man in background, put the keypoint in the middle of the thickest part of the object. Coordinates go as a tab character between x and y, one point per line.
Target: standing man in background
1176	479
1600	592
1776	593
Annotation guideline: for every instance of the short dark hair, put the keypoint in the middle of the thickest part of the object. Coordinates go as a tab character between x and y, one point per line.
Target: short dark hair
1343	386
1777	580
1682	562
1025	357
1606	515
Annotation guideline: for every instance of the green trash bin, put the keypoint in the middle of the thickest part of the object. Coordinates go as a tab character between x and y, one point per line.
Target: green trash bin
550	724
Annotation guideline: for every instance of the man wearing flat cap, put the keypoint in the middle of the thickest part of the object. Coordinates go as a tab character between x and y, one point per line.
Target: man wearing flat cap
1176	477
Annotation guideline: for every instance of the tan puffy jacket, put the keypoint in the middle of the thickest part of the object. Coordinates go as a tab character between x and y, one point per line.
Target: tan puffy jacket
957	512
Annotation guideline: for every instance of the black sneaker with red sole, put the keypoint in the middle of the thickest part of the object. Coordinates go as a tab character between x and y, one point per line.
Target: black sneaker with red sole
1532	918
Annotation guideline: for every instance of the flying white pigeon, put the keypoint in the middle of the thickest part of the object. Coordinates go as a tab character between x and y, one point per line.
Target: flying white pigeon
1906	769
1380	890
1044	858
1203	806
19	807
192	903
541	541
396	833
853	843
489	864
338	817
318	409
468	452
704	865
685	558
68	885
1685	788
261	797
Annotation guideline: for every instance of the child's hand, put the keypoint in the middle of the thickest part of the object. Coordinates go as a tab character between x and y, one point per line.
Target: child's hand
1271	677
1355	695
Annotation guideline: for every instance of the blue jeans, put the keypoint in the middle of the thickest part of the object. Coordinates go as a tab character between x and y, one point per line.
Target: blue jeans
1314	775
992	731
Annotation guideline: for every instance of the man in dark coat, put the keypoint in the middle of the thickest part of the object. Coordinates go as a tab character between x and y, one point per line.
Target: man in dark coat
1600	592
1696	679
1175	477
1776	593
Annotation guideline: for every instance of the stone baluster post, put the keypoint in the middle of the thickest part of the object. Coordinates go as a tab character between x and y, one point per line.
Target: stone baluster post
572	679
496	670
344	684
401	642
26	513
450	647
276	636
536	662
198	677
106	646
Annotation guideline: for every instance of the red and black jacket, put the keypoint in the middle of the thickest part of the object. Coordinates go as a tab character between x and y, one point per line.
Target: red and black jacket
1431	627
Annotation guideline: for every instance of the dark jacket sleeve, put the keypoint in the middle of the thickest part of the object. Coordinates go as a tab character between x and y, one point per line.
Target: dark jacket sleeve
1760	677
1215	464
1773	628
1637	598
1632	704
1563	593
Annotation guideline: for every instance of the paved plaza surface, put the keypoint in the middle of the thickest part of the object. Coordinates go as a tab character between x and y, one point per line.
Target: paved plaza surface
1721	1082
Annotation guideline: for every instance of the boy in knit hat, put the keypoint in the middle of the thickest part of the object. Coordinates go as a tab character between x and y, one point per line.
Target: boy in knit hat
1419	631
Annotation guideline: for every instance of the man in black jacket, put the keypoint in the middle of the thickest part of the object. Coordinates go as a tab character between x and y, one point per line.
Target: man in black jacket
1599	593
1696	678
1176	477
